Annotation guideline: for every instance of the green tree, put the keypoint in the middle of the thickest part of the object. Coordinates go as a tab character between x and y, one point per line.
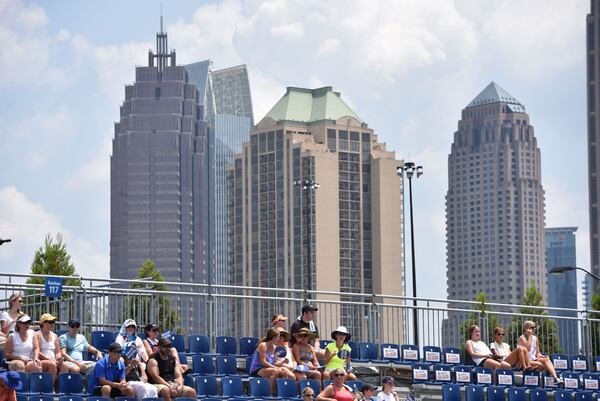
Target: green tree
488	321
53	259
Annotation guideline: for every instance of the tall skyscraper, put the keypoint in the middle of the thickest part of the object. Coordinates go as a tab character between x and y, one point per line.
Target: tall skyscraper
354	217
495	202
562	288
593	119
158	170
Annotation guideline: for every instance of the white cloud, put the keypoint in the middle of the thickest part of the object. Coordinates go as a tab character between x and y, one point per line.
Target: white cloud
27	224
95	171
328	46
289	31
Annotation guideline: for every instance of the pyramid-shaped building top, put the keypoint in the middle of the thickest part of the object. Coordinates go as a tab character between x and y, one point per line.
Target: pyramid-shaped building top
494	93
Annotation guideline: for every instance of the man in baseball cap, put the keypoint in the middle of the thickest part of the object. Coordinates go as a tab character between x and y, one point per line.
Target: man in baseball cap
306	320
109	375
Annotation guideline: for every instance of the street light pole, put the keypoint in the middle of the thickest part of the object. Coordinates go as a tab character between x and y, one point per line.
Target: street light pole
409	168
4	241
308	185
564	269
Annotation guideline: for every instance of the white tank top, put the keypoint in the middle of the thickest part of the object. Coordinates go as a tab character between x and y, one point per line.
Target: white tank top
23	349
479	347
533	349
47	348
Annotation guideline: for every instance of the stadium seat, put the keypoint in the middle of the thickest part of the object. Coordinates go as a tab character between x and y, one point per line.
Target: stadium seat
94	398
451	392
206	386
184	399
597	363
355	384
23	397
226	345
312	383
202	365
474	393
248	345
199	344
562	395
102	339
463	374
71	398
560	362
516	394
367	352
286	388
548	381
538	395
420	372
232	387
182	358
177	341
125	399
410	353
355	354
531	378
590	381
327	383
89	381
226	365
260	388
190	380
36	397
571	380
25	381
324	343
584	396
41	383
390	352
432	354
70	383
484	376
505	377
579	363
442	374
452	356
153	399
495	393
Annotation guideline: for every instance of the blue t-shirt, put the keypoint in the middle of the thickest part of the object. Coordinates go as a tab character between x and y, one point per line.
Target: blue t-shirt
113	372
75	345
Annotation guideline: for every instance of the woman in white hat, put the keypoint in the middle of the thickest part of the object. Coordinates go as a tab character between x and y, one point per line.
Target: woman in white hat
22	347
128	338
337	353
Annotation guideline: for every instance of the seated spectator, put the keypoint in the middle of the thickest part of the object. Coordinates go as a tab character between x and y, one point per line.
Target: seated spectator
151	345
517	359
136	377
109	375
163	372
288	360
127	335
10	383
332	351
278	321
265	363
537	360
22	348
306	320
50	355
73	345
387	392
304	353
8	318
368	390
480	352
308	394
338	390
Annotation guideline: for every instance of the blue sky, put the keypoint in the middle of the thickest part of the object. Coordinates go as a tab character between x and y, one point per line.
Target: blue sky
406	67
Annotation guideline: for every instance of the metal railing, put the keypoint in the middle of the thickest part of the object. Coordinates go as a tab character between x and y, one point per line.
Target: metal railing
103	304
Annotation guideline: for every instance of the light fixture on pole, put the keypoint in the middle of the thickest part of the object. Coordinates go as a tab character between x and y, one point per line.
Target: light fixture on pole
4	241
308	185
409	168
565	269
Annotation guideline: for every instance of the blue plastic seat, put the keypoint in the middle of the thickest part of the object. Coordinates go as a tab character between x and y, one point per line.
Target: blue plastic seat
25	381
495	393
591	381
548	381
597	363
248	345
463	374
177	341
125	399
327	383
206	386
410	353
442	374
584	396
367	352
355	354
452	356
89	381
484	376
23	397
101	339
505	377
420	372
562	395
232	387
538	394
571	380
184	399
560	361
474	393
95	398
199	344
202	365
451	392
36	397
356	385
286	388
579	363
226	365
41	383
531	379
226	345
190	380
432	354
324	343
152	399
260	388
516	394
70	383
389	352
312	383
71	398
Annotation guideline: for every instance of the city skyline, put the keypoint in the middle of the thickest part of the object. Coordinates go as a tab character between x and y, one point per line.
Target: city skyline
50	191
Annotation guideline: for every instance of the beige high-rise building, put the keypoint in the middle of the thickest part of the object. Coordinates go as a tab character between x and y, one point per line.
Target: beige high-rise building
355	215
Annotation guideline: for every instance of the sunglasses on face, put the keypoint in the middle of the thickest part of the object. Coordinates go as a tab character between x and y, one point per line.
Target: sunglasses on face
154	330
500	334
309	395
20	301
74	326
338	375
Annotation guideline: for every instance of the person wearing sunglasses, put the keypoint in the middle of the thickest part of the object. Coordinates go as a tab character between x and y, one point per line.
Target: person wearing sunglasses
308	394
538	361
518	358
8	318
50	355
73	345
337	353
480	353
151	346
338	390
22	347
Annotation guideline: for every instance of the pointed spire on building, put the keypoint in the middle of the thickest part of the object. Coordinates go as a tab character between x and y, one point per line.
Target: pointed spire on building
162	49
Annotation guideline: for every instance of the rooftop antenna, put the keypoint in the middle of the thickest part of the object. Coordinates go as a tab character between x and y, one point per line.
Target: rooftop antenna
161	18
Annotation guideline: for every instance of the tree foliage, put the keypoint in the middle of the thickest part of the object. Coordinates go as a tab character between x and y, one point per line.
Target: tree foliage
488	321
